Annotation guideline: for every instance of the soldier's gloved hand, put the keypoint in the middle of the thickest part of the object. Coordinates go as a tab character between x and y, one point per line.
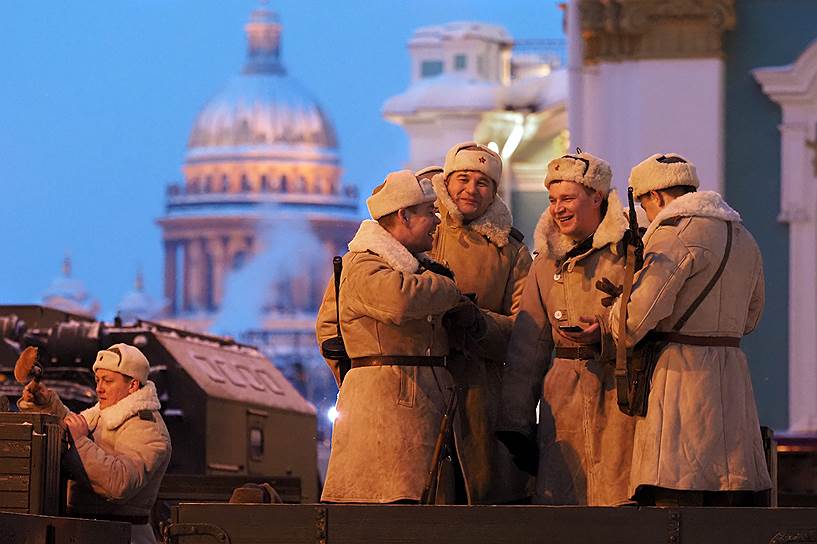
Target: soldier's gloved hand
524	450
613	291
465	316
35	393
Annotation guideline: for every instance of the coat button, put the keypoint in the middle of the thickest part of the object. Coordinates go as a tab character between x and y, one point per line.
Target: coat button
558	314
557	276
430	318
428	351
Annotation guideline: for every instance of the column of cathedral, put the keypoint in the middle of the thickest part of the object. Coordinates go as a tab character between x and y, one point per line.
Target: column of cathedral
203	289
221	266
194	275
170	275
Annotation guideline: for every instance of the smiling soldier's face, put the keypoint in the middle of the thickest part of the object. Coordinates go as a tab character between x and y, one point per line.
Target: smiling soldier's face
575	211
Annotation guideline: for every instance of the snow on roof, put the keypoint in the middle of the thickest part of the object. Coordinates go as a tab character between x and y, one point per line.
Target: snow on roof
459	30
455	92
444	92
535	93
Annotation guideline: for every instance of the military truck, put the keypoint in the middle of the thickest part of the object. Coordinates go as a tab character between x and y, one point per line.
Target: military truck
232	415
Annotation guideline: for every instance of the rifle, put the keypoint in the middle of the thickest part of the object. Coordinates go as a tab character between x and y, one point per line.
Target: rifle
333	348
633	261
440	446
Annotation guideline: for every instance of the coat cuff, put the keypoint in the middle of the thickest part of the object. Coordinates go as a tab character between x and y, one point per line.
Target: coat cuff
494	343
607	345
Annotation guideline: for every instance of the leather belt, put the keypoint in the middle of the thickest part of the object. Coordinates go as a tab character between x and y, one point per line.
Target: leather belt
583	353
678	338
397	360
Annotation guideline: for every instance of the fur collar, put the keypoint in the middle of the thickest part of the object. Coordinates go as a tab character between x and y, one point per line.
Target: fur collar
372	237
697	204
113	416
495	224
547	237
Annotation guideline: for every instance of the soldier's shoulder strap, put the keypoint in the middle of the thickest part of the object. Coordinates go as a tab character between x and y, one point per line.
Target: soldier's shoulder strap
516	234
671	221
146	415
697	302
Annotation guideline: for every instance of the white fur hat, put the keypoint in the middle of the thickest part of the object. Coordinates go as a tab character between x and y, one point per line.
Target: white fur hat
124	359
428	172
583	168
662	171
473	156
401	189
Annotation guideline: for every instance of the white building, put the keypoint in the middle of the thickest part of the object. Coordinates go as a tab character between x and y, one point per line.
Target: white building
470	81
732	86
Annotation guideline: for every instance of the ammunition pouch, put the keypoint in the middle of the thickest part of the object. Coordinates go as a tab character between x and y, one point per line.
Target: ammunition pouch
335	350
634	371
635	386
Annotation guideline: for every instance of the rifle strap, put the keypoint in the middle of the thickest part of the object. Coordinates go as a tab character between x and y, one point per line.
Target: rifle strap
622	381
697	302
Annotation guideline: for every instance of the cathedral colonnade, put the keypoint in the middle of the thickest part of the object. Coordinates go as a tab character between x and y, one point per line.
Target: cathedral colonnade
202	263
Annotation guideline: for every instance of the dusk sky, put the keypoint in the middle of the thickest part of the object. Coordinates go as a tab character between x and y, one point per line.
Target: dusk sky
97	100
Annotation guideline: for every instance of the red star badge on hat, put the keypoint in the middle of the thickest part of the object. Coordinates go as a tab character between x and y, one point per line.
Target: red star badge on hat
482	160
557	167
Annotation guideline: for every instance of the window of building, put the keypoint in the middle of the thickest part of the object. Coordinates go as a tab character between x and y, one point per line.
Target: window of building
431	68
256	444
460	62
245	184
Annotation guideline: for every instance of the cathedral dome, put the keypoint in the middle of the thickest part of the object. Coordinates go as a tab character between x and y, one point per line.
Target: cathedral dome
69	294
262	107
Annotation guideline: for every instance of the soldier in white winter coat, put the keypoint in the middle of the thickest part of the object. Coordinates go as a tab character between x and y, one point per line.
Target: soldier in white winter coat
699	443
121	442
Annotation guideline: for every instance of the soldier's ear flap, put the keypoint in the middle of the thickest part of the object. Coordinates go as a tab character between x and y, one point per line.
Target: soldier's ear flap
597	198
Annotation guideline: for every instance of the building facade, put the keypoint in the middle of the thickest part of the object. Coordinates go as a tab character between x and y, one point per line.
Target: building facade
731	85
261	154
250	233
471	81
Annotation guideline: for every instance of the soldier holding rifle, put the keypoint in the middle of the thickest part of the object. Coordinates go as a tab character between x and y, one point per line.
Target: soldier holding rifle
699	292
476	238
561	349
391	305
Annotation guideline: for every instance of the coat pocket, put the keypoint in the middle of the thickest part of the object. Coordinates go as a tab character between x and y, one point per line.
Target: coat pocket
408	386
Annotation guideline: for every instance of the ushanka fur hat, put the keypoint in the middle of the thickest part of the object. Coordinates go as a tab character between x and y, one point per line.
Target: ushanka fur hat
662	171
125	359
473	156
401	189
583	168
428	172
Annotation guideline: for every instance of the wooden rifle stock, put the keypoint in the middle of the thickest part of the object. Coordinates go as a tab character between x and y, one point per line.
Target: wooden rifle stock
634	254
334	348
446	423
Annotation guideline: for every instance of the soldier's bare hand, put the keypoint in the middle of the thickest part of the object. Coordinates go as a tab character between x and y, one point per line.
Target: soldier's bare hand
588	335
76	425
